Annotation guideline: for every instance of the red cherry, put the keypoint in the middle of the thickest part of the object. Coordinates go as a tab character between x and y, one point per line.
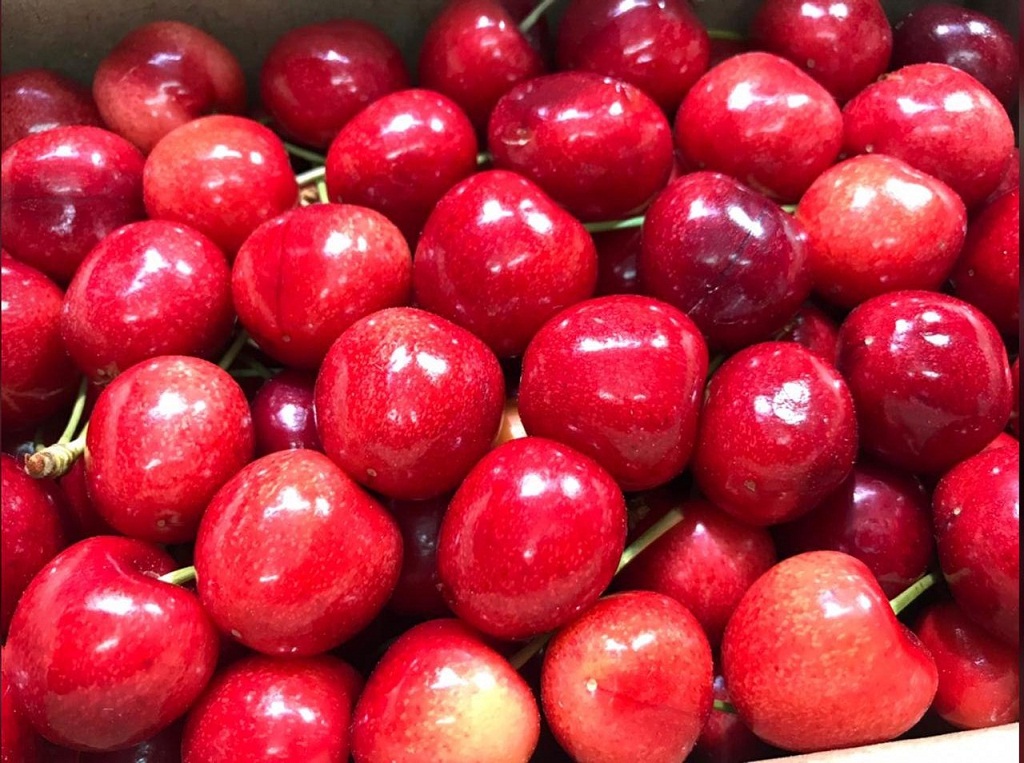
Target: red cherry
18	740
439	693
815	330
164	436
417	593
101	654
83	519
1015	414
550	127
1010	178
761	120
939	120
929	377
163	75
304	277
221	175
282	414
531	539
628	681
36	100
317	77
811	648
499	257
617	254
63	191
724	738
407	402
1002	440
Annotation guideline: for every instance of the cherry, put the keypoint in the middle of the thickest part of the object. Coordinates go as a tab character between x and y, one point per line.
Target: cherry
282	414
83	521
815	330
938	119
18	740
163	75
400	155
1010	179
407	402
417	593
36	100
1015	414
811	648
274	710
317	77
760	119
722	49
659	46
617	254
150	288
976	511
778	433
878	515
62	191
706	563
929	377
101	654
499	257
164	747
726	256
164	436
843	45
724	738
630	680
221	175
305	276
598	146
474	53
531	539
440	693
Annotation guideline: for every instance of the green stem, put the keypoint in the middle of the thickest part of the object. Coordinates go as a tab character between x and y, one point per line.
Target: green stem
56	460
904	599
655	531
321	191
723	707
249	373
607	225
311	176
484	157
526	654
234	349
534	16
790	208
304	153
184	576
76	414
725	34
256	365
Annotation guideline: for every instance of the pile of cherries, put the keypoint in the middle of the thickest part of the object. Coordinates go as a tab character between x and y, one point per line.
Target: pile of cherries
606	397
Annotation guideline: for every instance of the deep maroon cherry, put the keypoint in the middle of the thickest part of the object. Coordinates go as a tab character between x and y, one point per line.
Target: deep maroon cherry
499	257
929	376
815	330
36	100
760	119
62	191
618	252
282	414
598	146
729	258
304	277
417	592
162	75
725	738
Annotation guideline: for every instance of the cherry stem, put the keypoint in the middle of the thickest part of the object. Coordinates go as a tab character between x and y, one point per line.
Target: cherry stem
526	654
725	34
655	531
321	192
256	365
311	176
904	599
76	415
56	460
534	16
484	157
723	707
234	349
790	208
304	153
184	576
607	225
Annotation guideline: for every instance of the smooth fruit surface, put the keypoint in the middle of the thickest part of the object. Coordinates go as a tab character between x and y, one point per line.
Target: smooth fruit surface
282	414
36	100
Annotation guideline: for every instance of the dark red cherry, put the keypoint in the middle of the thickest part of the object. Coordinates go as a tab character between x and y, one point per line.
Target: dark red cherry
760	119
815	330
725	738
307	275
18	740
598	146
1015	414
499	257
620	379
317	77
417	593
1010	179
36	100
618	252
929	376
729	258
163	75
62	191
282	414
83	519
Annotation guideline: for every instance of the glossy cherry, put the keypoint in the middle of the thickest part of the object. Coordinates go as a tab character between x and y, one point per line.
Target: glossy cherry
617	254
929	377
598	146
36	100
499	257
163	75
304	277
815	330
725	738
282	414
417	593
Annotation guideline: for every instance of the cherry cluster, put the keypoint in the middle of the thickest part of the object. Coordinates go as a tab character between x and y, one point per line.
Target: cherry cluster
606	397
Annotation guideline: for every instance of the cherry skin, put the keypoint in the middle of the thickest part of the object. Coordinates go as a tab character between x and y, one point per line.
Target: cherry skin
929	376
221	175
417	593
548	127
531	539
83	521
163	438
618	252
18	740
845	46
815	330
660	46
164	747
150	288
282	414
1015	414
304	277
778	433
878	515
400	155
101	654
1010	178
630	680
36	100
724	738
163	75
407	402
812	646
938	119
499	257
440	693
760	119
317	77
620	379
63	191
474	53
726	256
976	511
